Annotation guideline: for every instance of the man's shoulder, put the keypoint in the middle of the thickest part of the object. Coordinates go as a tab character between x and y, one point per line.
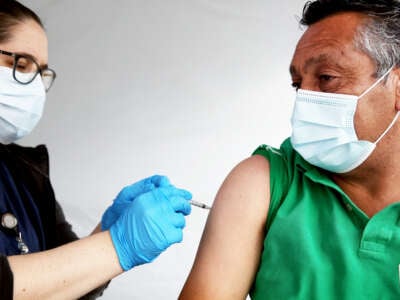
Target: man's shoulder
282	159
283	152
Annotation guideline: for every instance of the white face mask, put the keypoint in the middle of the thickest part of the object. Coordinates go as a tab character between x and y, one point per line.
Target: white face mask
323	130
21	106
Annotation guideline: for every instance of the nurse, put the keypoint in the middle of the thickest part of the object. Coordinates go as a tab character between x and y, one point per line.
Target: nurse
40	256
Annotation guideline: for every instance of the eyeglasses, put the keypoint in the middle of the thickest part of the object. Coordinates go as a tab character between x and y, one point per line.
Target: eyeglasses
25	70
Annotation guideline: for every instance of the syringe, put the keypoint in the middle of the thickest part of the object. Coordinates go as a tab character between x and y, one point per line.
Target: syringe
199	204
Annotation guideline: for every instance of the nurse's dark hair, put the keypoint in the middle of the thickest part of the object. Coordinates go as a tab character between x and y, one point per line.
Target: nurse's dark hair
13	13
378	37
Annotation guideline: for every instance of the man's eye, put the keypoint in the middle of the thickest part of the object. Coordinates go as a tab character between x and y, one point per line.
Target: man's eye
325	77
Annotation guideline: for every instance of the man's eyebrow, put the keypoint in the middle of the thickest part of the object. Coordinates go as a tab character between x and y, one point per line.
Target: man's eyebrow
315	60
322	58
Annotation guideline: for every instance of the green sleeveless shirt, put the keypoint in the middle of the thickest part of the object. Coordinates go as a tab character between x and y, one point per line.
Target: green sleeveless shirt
318	244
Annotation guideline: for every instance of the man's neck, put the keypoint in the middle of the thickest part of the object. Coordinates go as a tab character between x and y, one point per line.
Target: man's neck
371	190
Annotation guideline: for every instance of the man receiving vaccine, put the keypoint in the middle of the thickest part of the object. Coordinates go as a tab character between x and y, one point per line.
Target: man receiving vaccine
318	218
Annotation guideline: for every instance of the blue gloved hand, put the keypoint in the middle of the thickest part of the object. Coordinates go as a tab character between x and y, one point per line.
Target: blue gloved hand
127	195
150	224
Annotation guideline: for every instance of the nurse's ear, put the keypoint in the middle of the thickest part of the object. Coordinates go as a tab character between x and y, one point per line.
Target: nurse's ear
396	74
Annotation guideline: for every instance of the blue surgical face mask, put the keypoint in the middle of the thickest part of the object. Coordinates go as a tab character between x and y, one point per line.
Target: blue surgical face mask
21	106
323	131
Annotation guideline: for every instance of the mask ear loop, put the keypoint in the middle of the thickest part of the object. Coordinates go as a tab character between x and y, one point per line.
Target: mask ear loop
389	127
376	83
397	114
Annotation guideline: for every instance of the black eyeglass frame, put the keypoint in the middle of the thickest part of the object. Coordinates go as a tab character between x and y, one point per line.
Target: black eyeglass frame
40	71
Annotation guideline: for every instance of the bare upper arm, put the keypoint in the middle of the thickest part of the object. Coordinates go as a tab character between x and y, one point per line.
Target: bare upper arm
230	248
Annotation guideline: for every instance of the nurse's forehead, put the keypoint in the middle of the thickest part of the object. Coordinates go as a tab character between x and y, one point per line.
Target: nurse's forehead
28	38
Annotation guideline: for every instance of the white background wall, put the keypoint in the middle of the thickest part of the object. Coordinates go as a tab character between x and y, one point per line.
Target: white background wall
186	88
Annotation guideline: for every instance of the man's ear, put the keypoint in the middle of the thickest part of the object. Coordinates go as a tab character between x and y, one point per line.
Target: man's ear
396	72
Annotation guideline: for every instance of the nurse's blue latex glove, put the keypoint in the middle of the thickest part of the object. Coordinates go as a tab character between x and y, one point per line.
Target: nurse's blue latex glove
127	195
152	223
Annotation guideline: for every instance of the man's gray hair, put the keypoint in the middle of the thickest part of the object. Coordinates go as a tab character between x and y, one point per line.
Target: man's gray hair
378	37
